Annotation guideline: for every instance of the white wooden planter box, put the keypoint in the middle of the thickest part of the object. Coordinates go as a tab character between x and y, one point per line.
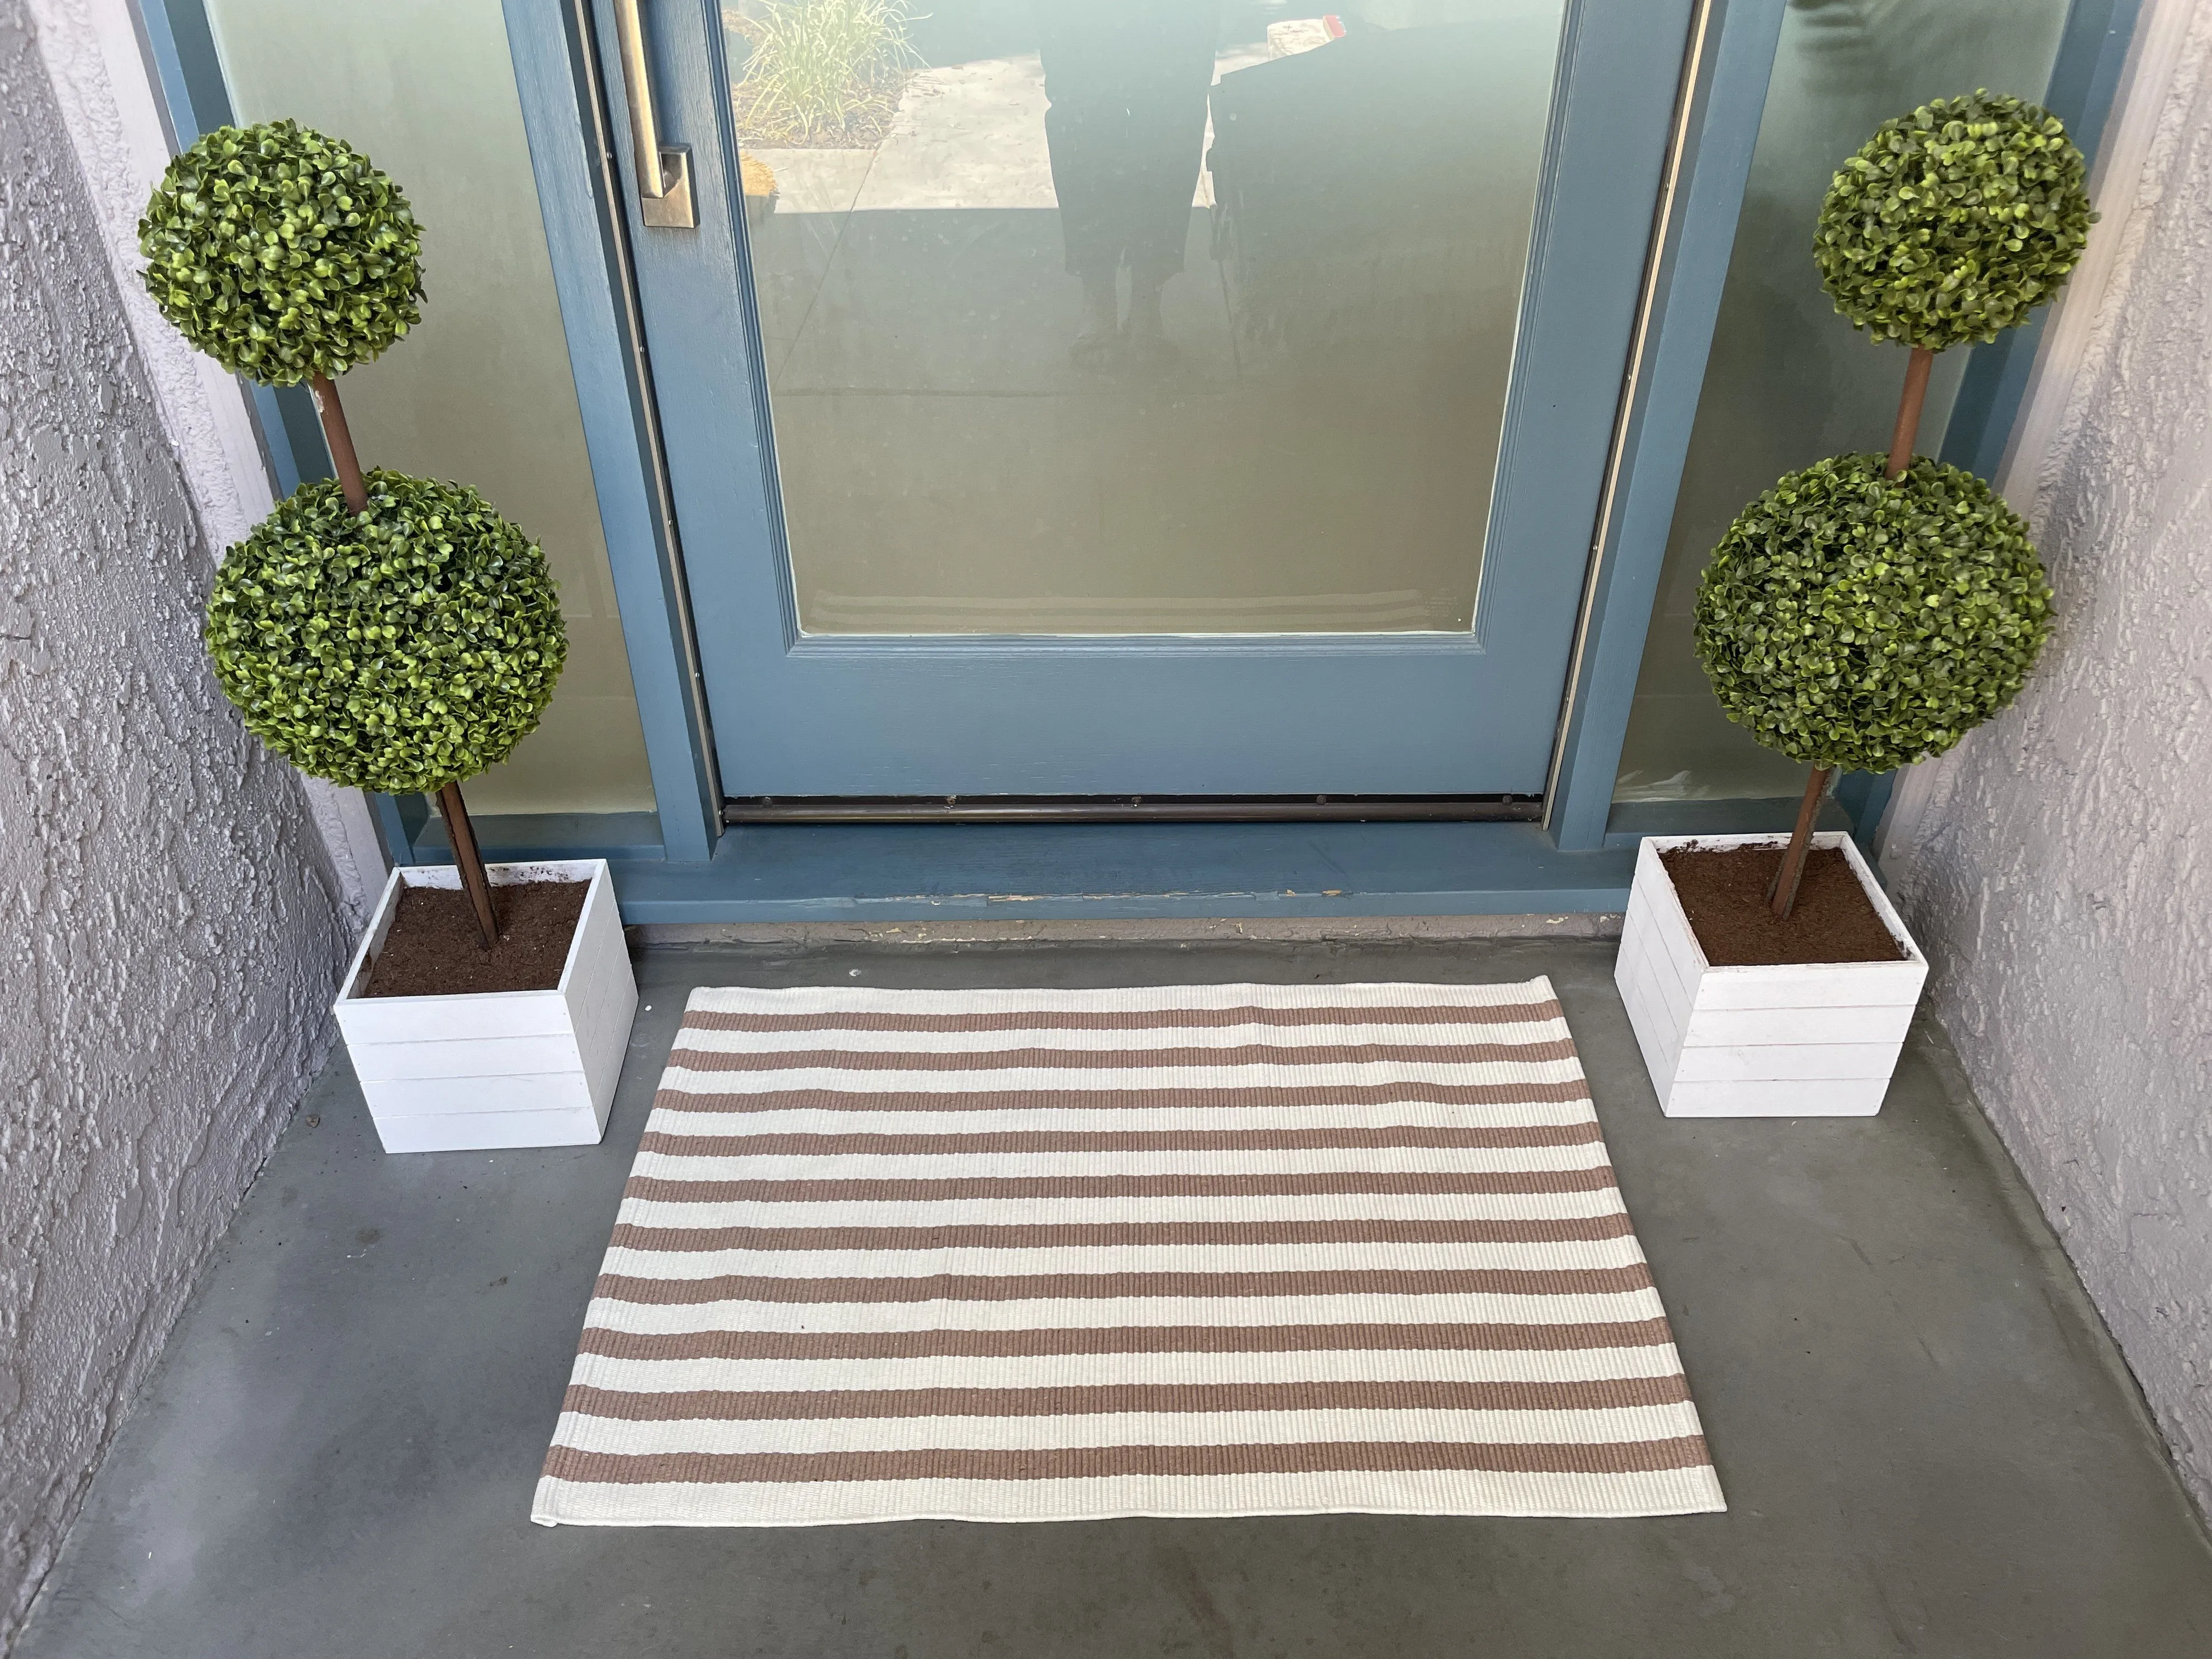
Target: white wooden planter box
1817	1040
495	1068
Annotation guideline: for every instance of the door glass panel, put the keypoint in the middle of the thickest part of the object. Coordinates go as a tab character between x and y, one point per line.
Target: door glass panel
1137	316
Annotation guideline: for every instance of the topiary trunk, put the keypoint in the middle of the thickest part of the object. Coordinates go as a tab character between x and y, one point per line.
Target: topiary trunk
460	831
1790	875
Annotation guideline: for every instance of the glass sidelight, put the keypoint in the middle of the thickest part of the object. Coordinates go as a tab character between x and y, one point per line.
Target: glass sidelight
1149	316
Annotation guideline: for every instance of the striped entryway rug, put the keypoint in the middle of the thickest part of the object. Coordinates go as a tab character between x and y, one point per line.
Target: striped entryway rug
1190	1250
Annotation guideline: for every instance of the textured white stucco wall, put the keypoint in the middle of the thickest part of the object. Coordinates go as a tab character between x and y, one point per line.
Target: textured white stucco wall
170	924
2057	865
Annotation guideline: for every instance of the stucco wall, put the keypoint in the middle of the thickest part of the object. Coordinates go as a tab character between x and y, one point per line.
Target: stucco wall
170	925
2058	865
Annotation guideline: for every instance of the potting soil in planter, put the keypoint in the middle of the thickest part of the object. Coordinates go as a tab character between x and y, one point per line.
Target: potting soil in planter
433	948
1724	892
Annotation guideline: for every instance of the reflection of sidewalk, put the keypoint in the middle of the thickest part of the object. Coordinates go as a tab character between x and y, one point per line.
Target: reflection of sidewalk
967	135
946	467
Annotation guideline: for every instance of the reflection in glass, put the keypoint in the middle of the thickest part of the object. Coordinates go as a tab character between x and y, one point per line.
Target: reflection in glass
1137	316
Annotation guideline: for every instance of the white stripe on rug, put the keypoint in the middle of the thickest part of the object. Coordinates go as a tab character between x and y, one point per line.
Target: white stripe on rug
1200	1250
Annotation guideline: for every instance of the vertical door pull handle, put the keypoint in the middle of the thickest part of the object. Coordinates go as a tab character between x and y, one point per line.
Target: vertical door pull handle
664	171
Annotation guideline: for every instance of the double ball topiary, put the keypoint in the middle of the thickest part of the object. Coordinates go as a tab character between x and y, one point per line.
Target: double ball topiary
399	651
1862	623
282	253
1954	221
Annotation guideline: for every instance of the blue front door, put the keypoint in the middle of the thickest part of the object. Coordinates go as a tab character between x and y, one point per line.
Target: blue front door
1138	396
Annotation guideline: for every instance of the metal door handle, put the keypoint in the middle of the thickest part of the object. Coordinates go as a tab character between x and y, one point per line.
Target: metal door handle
664	171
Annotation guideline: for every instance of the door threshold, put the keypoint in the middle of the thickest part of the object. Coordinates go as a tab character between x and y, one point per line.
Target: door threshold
1134	809
880	874
1346	875
1164	930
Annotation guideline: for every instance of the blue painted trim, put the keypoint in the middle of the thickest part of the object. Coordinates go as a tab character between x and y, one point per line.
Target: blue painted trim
633	837
1864	797
2084	80
1631	821
935	873
400	820
920	873
1655	438
562	116
187	72
292	433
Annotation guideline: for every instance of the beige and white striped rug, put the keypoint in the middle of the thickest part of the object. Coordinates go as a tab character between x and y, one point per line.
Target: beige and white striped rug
1189	1250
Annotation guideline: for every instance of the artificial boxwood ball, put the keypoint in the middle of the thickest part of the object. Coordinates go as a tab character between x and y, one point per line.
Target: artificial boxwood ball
1863	622
399	651
1954	221
282	253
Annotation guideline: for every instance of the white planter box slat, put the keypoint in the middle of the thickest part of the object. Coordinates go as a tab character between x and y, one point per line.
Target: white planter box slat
1782	1061
1843	1098
1797	1040
476	1132
1713	1027
496	1069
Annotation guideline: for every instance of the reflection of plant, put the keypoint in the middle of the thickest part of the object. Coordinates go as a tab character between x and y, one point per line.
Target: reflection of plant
821	71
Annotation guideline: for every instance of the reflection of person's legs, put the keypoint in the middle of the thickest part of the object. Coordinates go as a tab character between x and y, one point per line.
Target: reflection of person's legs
1168	131
1126	85
1078	134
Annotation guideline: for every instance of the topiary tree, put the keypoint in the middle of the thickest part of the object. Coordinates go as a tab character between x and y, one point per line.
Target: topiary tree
381	631
1949	226
1869	610
1853	620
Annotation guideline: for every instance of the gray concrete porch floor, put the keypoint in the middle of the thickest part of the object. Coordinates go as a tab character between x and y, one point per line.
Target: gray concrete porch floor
1929	1443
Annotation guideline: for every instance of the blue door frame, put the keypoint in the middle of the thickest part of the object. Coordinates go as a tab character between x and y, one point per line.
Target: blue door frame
683	866
1253	714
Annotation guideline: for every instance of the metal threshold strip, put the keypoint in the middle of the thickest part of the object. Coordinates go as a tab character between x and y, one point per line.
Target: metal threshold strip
1134	809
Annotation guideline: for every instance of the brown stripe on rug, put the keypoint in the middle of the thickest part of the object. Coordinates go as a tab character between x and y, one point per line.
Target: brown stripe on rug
1065	1097
1119	1287
1119	1140
1401	1183
1431	1151
1082	1463
1050	1236
674	1406
1046	1341
1155	1020
1291	1057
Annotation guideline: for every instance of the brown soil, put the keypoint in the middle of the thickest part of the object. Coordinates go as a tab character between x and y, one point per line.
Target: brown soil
434	949
1724	888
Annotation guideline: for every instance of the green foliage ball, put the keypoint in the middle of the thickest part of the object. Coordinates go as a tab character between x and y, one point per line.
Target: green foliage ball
1954	221
399	651
282	253
1857	622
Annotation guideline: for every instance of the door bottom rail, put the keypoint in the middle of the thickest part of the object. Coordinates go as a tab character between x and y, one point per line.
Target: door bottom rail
1133	809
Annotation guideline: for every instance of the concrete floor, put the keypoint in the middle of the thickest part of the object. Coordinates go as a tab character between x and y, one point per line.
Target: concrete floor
1929	1443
